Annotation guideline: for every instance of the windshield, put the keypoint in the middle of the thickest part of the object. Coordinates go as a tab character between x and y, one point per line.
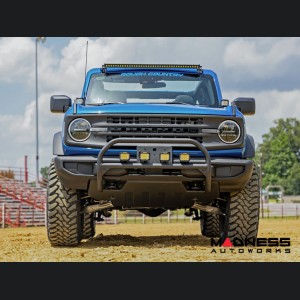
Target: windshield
152	87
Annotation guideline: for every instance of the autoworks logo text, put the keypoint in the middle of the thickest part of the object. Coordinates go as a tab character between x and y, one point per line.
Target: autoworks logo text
254	245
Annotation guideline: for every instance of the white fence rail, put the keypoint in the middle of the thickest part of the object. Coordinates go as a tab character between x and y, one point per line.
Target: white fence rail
140	218
266	211
269	210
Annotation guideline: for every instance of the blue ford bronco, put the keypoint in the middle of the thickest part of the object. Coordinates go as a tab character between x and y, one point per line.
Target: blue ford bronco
152	138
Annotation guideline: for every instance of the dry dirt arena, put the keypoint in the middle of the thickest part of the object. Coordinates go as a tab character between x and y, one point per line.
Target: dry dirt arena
175	242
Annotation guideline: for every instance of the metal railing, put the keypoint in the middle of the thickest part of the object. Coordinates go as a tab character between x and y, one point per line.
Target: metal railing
19	215
19	173
135	217
270	210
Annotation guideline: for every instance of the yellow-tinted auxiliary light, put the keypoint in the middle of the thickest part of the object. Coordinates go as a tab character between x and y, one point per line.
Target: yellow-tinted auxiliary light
164	157
184	157
124	156
144	156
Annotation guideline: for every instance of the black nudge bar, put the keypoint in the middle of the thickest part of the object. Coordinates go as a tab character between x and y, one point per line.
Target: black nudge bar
104	167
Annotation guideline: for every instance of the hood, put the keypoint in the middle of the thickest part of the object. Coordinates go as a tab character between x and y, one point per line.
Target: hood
153	109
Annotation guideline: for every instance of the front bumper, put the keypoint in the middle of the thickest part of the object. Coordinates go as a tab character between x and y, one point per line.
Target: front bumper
135	185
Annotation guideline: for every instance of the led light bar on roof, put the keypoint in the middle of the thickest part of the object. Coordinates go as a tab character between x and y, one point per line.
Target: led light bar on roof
118	68
146	66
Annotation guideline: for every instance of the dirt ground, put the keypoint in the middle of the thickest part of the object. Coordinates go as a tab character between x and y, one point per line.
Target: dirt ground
177	242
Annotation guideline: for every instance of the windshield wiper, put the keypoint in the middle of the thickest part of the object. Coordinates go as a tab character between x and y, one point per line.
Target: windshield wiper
104	103
184	103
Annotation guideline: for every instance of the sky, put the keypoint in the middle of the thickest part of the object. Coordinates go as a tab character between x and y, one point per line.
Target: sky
265	68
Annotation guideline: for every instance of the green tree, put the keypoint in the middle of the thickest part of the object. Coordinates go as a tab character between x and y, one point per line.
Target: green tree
44	172
292	183
279	155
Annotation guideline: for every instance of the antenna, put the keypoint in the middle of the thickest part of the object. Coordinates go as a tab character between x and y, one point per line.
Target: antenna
86	53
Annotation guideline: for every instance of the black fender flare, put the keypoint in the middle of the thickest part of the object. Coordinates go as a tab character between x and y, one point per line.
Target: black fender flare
250	147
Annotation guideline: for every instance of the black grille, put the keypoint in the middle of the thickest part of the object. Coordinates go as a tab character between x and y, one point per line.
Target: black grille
155	120
172	127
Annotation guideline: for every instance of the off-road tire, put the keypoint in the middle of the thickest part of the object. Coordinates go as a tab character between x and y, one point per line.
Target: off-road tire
63	212
210	224
88	225
242	212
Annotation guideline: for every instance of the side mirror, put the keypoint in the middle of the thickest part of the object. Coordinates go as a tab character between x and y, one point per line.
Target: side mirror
245	105
60	103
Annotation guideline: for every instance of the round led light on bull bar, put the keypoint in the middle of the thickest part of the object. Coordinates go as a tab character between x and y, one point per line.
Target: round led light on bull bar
229	132
79	130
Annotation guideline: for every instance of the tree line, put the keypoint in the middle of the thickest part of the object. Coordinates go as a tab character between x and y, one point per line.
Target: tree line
279	156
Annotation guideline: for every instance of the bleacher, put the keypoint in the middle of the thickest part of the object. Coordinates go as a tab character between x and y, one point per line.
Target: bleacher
23	204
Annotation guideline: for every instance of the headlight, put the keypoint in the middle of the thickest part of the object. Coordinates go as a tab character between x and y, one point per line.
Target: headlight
229	132
79	130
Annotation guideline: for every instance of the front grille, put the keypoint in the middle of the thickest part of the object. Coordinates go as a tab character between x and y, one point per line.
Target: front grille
153	127
155	120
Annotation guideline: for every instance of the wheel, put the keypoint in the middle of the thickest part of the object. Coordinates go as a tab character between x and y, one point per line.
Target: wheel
242	212
210	224
63	212
88	225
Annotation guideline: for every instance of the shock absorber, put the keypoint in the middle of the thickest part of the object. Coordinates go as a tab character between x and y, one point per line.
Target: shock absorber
98	216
